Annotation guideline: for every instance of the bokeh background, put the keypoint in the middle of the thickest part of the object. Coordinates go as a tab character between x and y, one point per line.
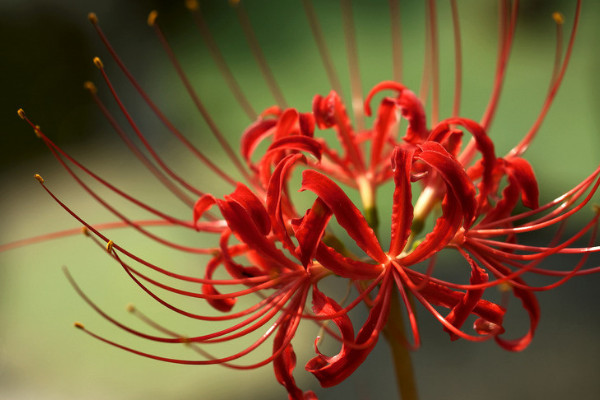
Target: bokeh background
46	50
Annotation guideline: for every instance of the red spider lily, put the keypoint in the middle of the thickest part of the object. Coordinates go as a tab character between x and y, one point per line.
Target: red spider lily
271	252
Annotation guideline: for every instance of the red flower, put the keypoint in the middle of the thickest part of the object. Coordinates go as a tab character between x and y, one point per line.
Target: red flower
280	257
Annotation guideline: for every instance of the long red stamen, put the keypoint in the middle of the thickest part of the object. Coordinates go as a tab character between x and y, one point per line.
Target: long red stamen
143	139
435	63
134	149
58	152
196	100
322	46
396	39
258	54
545	223
92	229
559	19
562	201
361	297
170	127
524	143
507	23
274	282
352	51
457	59
412	318
212	361
216	54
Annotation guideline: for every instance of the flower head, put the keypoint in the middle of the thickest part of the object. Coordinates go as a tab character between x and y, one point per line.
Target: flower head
272	265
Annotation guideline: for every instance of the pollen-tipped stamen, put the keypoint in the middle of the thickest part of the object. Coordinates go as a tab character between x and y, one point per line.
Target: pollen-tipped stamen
149	147
59	153
522	146
135	150
165	121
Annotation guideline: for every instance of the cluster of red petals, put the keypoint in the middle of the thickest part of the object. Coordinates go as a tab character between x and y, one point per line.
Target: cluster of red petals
282	260
269	249
473	211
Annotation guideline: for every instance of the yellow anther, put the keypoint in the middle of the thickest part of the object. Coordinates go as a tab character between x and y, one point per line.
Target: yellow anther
185	340
85	231
21	113
130	308
152	17
558	18
191	4
234	2
38	131
78	325
93	18
98	63
109	246
89	85
39	178
596	208
504	287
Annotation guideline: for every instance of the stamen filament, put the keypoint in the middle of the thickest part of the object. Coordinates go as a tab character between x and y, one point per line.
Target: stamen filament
322	46
395	23
134	149
353	65
199	105
217	56
170	127
147	145
258	54
457	59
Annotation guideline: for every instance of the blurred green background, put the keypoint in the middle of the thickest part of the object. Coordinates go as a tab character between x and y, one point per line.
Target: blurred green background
47	47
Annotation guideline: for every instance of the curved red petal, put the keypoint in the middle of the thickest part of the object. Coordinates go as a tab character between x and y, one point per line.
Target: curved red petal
330	371
402	209
324	306
307	124
234	269
225	304
287	124
443	232
309	230
530	304
253	206
346	213
411	107
523	173
276	190
330	112
456	179
202	205
460	312
296	142
254	135
344	266
246	230
284	364
382	128
443	296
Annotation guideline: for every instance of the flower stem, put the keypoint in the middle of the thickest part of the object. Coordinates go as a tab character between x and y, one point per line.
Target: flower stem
395	334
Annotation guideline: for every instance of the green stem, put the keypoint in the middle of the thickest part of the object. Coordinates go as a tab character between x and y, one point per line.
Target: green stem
396	337
394	329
